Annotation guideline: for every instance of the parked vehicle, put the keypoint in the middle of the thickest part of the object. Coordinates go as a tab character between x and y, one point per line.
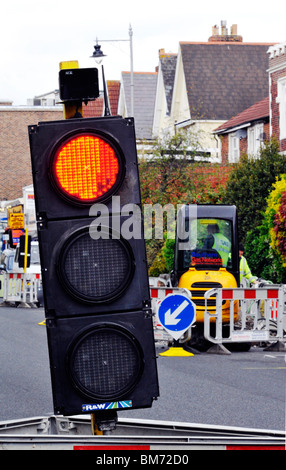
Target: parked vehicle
10	260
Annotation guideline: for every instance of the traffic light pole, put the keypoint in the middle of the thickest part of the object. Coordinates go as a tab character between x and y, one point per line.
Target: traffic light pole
26	251
104	422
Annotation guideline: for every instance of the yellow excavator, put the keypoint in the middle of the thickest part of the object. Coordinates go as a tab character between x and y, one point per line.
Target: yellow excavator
206	257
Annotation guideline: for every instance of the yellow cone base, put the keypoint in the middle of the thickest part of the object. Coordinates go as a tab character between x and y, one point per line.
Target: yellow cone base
176	352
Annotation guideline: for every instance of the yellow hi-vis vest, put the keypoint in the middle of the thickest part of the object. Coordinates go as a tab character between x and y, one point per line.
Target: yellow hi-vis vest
244	270
223	246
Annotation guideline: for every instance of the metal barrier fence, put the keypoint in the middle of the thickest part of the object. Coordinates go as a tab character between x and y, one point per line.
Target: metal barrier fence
260	311
131	434
19	287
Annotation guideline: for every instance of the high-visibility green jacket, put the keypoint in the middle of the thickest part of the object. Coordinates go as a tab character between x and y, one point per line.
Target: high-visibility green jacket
223	246
244	270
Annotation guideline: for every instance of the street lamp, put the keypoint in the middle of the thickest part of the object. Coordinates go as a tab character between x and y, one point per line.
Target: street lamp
98	56
97	53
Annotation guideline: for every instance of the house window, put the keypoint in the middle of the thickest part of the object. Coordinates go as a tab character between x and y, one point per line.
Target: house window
233	145
255	139
281	99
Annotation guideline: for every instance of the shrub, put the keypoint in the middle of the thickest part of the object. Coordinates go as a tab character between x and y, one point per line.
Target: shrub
279	229
265	245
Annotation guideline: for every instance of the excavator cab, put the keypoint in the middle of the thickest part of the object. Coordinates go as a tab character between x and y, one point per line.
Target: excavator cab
206	253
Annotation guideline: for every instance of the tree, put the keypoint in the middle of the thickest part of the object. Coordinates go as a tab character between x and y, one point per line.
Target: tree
170	175
250	183
164	175
165	180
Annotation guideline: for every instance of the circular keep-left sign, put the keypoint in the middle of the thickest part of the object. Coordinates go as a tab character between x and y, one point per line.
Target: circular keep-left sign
176	313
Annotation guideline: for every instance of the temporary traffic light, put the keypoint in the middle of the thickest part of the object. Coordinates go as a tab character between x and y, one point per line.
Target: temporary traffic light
93	259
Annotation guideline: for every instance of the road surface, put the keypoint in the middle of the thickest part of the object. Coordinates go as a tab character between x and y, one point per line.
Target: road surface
243	389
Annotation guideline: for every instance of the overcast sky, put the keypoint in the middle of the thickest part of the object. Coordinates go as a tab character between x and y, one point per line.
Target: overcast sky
36	35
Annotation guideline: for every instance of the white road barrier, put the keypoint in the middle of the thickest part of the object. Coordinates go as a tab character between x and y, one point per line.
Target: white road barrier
19	287
257	309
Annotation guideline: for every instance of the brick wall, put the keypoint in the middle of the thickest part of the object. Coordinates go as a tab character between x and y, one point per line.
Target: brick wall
277	70
275	106
15	170
242	144
224	149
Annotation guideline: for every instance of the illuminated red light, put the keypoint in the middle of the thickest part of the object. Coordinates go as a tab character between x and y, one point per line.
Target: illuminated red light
86	167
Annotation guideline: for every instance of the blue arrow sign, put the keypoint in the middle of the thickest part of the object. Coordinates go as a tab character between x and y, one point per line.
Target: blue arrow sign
176	313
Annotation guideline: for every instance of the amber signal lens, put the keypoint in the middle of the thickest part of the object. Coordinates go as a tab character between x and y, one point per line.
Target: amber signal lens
86	168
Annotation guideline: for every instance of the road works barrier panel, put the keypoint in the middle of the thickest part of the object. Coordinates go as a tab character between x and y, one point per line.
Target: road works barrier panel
261	316
19	287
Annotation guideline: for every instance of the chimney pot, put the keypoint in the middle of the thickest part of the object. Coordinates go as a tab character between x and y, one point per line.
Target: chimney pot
233	30
215	30
223	28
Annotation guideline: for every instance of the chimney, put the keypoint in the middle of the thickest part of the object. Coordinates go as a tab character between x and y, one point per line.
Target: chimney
224	36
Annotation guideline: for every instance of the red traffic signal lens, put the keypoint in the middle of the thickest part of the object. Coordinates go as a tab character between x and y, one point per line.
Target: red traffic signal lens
86	168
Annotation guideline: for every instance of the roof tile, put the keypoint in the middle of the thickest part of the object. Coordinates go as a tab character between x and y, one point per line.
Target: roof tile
257	111
224	78
96	108
145	84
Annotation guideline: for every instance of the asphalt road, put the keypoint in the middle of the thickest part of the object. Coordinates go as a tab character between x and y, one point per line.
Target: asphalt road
243	389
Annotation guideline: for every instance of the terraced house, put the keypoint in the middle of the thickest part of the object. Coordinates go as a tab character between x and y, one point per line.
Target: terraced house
246	132
213	81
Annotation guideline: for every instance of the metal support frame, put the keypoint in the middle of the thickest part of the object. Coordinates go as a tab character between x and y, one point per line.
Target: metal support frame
250	302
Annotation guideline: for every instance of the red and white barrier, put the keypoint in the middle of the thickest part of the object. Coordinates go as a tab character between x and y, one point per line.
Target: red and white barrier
251	301
274	310
255	294
159	293
159	457
19	287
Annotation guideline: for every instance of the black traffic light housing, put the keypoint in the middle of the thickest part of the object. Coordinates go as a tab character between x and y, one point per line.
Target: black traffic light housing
105	363
47	137
78	84
94	267
91	276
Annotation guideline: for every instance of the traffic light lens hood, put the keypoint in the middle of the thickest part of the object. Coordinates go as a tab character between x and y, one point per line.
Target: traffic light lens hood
87	168
105	362
95	270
